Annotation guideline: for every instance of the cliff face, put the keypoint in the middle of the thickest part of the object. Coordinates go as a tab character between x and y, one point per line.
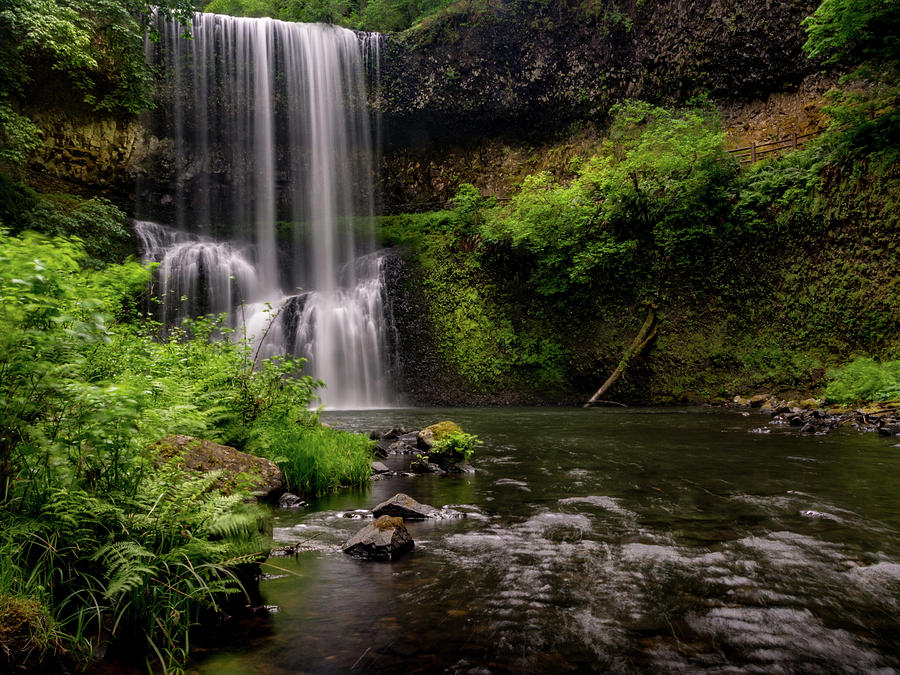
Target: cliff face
85	152
482	85
522	67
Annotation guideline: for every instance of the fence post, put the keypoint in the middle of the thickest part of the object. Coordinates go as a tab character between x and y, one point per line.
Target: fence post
752	152
794	140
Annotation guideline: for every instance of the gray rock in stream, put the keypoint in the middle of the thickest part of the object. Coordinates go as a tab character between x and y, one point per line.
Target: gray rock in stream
290	501
384	539
378	467
404	506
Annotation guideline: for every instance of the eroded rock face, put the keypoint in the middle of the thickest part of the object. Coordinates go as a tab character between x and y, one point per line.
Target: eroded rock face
259	475
84	151
478	70
384	539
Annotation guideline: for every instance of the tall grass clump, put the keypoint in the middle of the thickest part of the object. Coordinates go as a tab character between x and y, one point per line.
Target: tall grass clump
864	380
315	459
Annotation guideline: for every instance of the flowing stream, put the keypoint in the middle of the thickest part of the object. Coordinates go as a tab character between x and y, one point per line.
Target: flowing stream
654	540
267	213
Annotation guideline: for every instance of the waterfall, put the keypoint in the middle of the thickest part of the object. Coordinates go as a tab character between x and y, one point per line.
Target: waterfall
268	201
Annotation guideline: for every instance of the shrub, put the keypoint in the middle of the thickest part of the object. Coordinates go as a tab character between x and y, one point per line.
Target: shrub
864	380
455	446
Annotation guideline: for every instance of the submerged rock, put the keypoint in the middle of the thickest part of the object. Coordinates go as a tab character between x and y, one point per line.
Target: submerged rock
461	467
384	539
258	475
290	501
404	506
420	464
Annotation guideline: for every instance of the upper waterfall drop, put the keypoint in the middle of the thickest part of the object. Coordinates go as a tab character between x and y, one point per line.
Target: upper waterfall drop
269	199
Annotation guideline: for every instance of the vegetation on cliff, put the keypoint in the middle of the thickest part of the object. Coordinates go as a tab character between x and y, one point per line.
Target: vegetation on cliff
375	15
758	276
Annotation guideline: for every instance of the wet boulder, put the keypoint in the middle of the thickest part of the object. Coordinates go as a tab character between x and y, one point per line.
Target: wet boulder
404	506
384	539
400	448
758	400
461	467
420	464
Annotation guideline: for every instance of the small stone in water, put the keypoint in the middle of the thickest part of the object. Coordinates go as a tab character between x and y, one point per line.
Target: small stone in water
289	501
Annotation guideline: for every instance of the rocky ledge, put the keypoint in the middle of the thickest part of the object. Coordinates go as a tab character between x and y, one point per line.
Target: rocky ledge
401	441
810	416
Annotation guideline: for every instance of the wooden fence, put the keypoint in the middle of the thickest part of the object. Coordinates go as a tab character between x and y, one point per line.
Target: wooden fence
757	151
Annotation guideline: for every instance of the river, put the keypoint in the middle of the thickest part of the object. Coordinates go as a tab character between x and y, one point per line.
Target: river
602	540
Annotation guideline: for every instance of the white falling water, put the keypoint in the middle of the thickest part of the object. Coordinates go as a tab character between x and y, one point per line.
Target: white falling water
271	196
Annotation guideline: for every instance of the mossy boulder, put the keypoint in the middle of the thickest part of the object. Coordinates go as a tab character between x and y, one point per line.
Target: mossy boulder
258	475
436	432
27	634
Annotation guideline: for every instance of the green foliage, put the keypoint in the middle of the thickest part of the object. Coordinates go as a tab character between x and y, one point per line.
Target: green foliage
144	566
861	35
654	198
864	380
91	530
854	31
101	226
456	446
375	15
97	45
251	8
19	136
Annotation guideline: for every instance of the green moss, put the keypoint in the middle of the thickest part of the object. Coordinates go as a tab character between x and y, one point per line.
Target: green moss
442	429
27	632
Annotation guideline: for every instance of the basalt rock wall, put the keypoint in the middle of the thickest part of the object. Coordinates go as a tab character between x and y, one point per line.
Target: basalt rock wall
523	74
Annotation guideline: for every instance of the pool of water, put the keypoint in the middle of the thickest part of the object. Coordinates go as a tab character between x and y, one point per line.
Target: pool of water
602	540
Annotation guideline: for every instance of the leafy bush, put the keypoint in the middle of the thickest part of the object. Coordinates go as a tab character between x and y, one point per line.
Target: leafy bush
649	203
102	227
96	44
456	446
377	15
864	380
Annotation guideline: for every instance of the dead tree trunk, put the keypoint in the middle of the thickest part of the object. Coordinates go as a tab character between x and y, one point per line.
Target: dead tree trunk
644	336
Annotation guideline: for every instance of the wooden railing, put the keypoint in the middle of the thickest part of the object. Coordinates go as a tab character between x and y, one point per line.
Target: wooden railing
757	151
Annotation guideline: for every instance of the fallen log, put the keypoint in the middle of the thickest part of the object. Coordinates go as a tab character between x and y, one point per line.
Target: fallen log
644	337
